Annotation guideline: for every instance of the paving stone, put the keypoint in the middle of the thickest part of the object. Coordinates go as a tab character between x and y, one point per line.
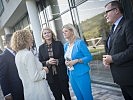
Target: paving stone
102	92
99	93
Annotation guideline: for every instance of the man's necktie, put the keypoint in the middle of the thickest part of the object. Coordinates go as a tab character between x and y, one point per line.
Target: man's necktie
111	32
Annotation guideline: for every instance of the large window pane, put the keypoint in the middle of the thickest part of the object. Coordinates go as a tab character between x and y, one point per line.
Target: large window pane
95	30
25	22
57	24
62	5
66	18
56	7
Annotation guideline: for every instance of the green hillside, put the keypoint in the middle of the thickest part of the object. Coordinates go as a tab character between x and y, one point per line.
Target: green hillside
94	27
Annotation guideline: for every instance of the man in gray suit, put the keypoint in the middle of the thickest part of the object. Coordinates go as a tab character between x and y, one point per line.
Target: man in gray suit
119	48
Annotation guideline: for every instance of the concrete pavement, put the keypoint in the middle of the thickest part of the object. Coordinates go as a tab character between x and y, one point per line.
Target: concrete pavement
100	92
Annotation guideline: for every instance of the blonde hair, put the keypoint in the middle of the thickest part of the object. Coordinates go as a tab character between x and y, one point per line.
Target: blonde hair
72	29
53	35
20	39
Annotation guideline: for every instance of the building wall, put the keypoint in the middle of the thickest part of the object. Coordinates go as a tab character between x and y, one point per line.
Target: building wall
14	12
9	9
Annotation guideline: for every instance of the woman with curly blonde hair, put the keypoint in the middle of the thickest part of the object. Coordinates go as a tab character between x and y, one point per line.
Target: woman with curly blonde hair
30	70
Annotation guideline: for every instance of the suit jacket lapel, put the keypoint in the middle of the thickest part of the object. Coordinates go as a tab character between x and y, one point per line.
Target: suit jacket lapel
116	33
9	53
10	56
106	45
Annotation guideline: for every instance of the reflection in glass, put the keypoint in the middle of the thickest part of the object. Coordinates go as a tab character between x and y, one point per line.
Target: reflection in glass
25	22
58	23
66	18
94	30
41	17
52	26
62	5
56	7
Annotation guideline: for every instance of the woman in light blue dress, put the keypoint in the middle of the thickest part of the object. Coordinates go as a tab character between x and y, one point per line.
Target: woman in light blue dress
77	58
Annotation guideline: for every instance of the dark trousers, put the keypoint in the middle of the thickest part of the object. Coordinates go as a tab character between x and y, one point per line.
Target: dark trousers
60	88
127	92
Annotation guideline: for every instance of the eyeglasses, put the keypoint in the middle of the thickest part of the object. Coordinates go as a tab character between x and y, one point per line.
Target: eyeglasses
109	10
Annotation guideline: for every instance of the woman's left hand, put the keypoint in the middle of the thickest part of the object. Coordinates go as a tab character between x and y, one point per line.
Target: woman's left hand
72	62
46	69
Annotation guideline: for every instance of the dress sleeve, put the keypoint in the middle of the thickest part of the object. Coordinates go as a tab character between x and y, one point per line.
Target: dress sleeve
87	57
34	68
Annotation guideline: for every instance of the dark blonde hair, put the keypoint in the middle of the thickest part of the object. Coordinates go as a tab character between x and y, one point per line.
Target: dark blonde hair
20	39
72	29
53	35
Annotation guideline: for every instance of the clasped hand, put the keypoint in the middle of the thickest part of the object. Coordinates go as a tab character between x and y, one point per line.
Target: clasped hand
107	59
45	69
70	63
53	61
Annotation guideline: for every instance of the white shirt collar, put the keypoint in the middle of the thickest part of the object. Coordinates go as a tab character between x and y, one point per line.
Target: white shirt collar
11	51
117	22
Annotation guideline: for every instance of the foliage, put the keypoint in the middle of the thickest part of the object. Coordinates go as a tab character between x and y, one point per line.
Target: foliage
95	26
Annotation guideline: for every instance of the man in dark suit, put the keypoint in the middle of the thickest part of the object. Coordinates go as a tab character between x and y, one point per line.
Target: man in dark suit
119	48
9	79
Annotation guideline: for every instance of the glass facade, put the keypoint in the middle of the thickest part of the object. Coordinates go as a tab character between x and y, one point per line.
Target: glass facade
95	29
88	17
23	23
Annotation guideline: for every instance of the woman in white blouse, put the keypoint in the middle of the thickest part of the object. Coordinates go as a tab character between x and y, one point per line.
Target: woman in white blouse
30	70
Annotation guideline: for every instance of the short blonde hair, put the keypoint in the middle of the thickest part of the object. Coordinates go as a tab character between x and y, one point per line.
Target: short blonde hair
20	39
47	28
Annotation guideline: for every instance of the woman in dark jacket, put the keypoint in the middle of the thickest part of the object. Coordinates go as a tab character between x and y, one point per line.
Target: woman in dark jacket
51	54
